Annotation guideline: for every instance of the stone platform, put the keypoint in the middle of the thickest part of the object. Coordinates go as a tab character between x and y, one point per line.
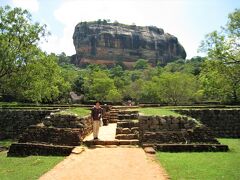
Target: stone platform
188	147
27	149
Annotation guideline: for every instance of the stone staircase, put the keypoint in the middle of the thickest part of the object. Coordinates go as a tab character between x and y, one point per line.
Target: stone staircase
127	114
113	115
117	113
128	126
126	130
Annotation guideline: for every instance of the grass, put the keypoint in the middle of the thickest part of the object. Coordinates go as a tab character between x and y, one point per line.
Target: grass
31	167
158	111
9	103
21	168
204	166
79	111
6	142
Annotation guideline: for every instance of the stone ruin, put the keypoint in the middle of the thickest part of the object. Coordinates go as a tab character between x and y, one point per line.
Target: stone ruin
168	133
58	134
224	123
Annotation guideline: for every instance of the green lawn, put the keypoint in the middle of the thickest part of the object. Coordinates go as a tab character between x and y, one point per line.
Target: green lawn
6	142
80	111
204	166
31	167
158	111
21	168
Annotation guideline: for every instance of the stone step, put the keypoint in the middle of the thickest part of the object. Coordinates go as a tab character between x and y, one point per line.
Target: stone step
129	112
112	142
126	136
149	150
188	147
113	120
114	110
113	117
56	136
127	124
133	130
178	137
27	149
127	116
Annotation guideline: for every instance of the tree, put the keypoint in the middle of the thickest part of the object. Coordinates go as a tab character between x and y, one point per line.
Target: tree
220	82
192	66
141	64
224	45
18	38
176	66
64	60
233	24
98	85
176	88
114	96
116	71
150	93
39	81
224	49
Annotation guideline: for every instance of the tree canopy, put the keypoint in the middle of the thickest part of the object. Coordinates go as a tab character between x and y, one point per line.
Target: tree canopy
221	77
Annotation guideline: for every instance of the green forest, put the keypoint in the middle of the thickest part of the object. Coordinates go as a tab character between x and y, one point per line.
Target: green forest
28	74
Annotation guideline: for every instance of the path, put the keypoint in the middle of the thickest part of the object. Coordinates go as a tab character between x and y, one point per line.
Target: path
107	163
106	132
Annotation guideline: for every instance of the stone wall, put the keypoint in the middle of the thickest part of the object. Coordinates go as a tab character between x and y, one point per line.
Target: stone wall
14	121
70	121
52	135
56	135
223	122
59	129
170	130
127	114
27	149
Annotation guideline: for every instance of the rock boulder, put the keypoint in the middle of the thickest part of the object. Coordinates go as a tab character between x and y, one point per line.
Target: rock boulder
100	42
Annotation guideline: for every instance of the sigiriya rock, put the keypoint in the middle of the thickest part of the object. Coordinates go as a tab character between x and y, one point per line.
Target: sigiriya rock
100	42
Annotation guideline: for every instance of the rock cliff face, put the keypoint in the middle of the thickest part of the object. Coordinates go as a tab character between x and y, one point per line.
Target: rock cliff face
109	43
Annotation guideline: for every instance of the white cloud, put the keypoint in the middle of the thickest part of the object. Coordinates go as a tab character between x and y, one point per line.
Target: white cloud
31	5
58	44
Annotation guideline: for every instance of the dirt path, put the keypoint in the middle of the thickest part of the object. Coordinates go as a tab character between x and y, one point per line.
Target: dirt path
107	164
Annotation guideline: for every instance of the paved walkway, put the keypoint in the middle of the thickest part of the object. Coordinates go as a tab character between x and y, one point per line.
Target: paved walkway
107	163
105	133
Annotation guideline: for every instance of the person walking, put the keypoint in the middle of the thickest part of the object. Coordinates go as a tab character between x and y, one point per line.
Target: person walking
97	113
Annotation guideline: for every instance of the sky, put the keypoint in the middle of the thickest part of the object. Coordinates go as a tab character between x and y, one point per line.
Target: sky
188	20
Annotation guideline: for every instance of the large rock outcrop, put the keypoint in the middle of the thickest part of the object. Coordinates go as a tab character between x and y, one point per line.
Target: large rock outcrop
100	42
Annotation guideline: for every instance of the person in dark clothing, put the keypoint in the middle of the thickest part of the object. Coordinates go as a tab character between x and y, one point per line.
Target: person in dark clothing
97	113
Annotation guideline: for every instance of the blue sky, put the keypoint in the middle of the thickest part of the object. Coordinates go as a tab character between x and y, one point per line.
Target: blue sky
188	20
